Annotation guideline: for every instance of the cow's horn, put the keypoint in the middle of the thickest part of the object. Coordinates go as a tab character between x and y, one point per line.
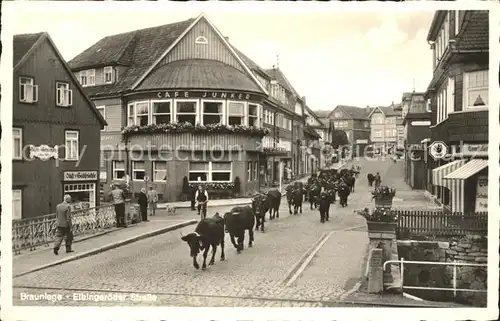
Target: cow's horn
182	235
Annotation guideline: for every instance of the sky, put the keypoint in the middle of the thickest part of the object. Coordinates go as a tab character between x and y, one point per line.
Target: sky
332	57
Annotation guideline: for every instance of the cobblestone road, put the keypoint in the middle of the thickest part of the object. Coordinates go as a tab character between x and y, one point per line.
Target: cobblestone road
272	273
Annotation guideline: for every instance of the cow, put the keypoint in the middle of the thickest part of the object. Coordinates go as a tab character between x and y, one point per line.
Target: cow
324	206
208	233
344	192
237	221
350	181
371	179
314	191
260	206
274	200
297	199
289	192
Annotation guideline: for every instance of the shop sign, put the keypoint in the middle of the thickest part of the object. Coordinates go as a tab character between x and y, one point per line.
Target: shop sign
44	152
482	194
361	141
438	150
205	94
80	176
475	150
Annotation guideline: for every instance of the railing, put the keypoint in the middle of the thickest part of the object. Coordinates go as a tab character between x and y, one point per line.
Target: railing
402	263
441	223
38	231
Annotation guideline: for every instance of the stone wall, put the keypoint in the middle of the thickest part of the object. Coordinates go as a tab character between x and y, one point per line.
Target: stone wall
470	249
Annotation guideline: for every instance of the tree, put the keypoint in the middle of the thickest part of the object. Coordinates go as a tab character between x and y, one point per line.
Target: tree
339	138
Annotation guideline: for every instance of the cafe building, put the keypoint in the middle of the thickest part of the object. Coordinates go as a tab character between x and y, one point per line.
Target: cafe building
180	104
56	132
457	168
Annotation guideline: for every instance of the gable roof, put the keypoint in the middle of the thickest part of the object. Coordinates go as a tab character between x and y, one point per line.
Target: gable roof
357	113
388	111
279	76
474	33
314	114
23	44
24	40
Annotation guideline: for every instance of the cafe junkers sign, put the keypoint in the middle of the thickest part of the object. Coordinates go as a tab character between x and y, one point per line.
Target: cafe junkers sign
206	94
80	176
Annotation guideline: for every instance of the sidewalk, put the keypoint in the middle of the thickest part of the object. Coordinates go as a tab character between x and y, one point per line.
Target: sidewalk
30	261
211	203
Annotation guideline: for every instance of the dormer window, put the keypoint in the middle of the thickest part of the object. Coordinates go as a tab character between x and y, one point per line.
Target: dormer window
64	95
87	77
201	40
109	75
28	91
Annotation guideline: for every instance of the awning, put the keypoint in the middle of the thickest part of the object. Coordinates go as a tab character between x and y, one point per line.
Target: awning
438	174
469	169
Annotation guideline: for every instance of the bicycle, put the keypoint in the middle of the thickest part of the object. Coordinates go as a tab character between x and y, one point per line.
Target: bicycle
203	209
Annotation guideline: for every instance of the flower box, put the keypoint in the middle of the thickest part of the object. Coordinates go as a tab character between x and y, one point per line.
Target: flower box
381	227
383	202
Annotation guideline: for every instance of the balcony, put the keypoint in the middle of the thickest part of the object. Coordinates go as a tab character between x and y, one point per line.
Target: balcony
469	126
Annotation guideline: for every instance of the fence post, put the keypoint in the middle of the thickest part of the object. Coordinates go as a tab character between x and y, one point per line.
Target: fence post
402	273
454	279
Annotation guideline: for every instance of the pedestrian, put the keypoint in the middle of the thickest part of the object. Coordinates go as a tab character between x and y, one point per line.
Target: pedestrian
143	204
194	190
64	225
202	199
153	201
378	180
118	197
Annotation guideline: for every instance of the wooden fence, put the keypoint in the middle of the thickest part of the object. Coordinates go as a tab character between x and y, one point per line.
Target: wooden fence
438	223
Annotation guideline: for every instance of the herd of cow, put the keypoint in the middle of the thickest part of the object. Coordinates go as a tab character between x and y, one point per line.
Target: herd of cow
320	191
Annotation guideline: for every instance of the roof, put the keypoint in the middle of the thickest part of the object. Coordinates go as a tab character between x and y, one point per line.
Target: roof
23	44
279	76
309	130
475	31
138	49
198	74
355	112
321	113
436	23
315	115
388	111
24	40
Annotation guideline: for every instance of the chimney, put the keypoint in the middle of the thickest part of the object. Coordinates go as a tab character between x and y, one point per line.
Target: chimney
303	98
227	39
367	106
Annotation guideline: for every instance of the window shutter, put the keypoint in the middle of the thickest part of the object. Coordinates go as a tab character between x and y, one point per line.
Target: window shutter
21	92
35	93
70	97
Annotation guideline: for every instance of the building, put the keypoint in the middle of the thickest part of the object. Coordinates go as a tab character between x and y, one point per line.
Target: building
355	122
416	122
313	159
313	120
199	108
384	125
56	131
458	98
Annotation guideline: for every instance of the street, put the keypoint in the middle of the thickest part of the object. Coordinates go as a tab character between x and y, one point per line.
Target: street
297	262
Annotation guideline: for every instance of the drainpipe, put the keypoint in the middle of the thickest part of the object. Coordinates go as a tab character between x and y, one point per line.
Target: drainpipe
127	158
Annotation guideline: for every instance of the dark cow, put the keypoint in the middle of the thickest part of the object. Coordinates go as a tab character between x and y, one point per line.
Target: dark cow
260	206
289	190
344	192
314	191
324	206
274	199
208	233
371	179
350	181
237	222
298	197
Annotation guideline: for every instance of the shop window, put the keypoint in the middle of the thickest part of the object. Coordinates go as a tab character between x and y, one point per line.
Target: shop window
162	113
17	141
198	171
236	112
253	115
64	95
160	171
249	171
221	171
28	91
186	111
72	145
212	112
118	170
138	170
82	195
476	89
17	204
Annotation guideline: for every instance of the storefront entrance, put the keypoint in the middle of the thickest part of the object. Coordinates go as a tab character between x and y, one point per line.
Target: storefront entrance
83	195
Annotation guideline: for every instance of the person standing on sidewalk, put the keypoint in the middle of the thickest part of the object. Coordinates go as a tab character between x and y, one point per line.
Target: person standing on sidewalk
143	204
64	225
118	197
153	201
378	180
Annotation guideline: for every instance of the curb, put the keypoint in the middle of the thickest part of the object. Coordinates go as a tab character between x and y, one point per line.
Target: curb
163	206
110	246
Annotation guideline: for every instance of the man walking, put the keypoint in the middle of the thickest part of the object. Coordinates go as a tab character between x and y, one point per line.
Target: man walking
153	201
143	205
118	197
378	180
64	225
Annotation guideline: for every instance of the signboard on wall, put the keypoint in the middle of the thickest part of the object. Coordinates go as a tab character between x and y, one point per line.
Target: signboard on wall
44	152
475	149
482	194
361	141
80	176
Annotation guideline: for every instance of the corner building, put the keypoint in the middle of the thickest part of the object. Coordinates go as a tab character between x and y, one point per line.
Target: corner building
181	94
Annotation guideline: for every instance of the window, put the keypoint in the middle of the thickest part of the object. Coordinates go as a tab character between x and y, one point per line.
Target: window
160	171
28	91
162	113
212	112
87	77
102	110
210	171
377	133
394	132
266	116
253	115
201	40
457	22
17	136
138	114
450	96
17	204
255	170
249	171
138	170
476	89
186	111
108	75
366	124
72	148
388	133
64	95
236	113
118	170
338	114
